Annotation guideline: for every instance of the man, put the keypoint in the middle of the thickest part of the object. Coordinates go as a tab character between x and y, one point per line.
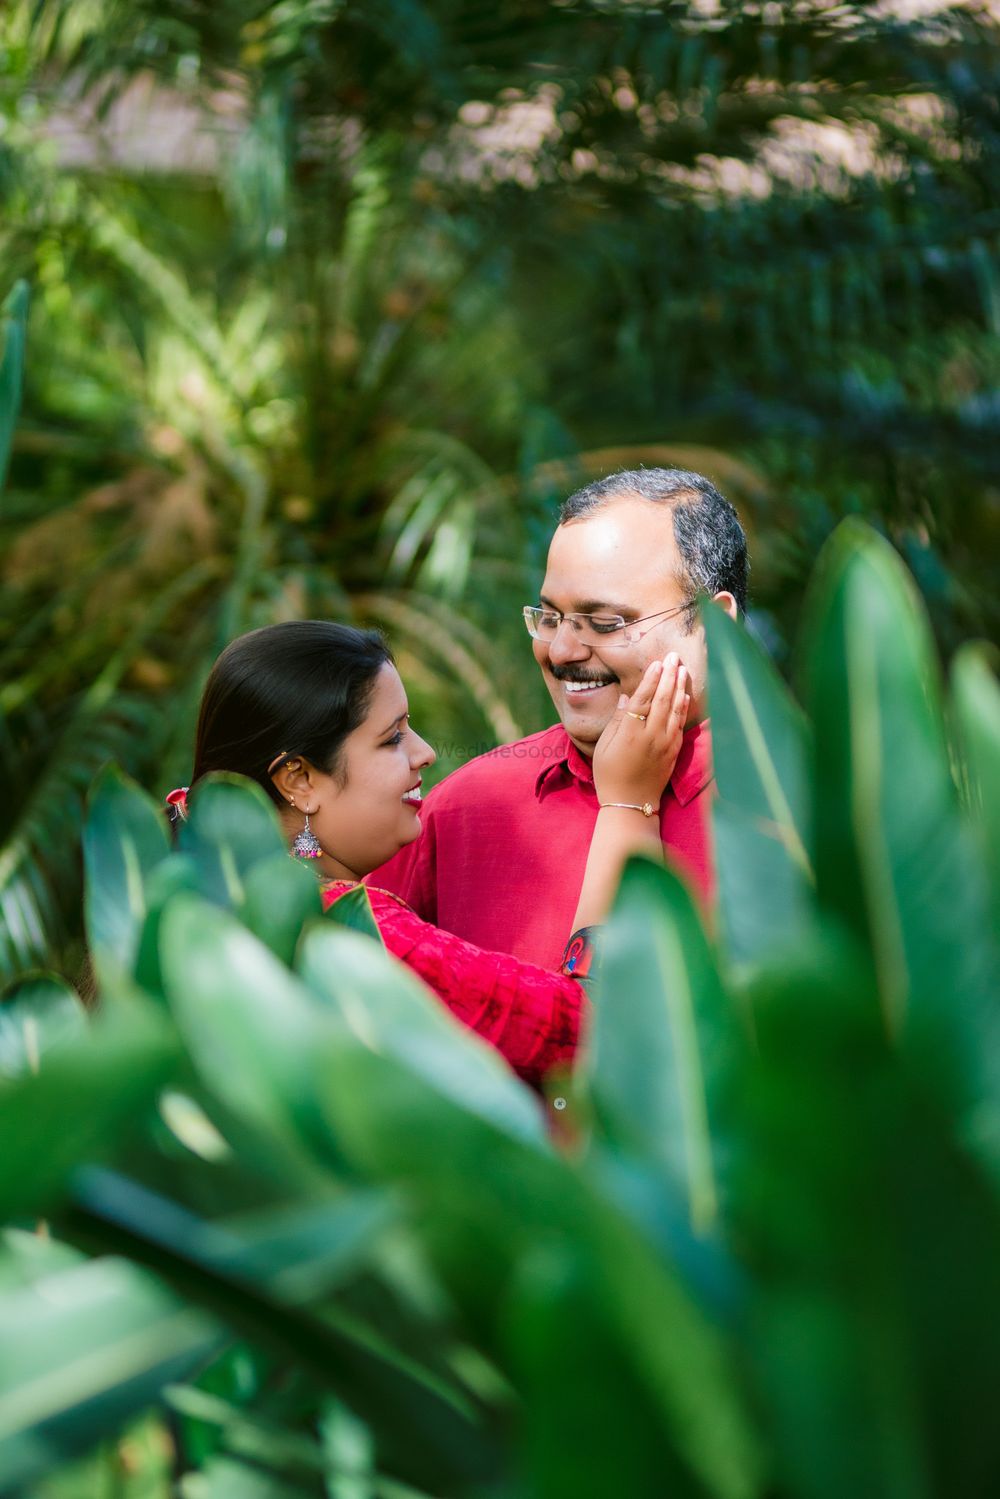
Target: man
505	837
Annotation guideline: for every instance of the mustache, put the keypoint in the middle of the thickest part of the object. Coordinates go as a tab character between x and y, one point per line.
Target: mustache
574	674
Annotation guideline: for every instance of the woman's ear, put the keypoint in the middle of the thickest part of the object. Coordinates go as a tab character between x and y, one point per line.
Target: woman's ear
294	781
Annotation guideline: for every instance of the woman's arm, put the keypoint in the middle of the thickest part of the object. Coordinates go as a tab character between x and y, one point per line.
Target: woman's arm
633	761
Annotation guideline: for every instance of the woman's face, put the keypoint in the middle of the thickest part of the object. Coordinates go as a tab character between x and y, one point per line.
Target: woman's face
371	808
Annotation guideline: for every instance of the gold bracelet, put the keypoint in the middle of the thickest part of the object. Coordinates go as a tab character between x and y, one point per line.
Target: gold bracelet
647	809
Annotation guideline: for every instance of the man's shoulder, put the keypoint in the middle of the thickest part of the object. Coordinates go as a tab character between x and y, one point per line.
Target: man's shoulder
508	767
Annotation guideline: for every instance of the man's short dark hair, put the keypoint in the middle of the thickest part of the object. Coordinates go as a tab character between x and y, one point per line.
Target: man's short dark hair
710	539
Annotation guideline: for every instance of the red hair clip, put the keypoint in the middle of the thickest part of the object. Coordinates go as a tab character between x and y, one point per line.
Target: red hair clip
177	804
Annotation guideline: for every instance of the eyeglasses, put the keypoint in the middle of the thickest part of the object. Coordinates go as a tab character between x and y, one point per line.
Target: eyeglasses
593	629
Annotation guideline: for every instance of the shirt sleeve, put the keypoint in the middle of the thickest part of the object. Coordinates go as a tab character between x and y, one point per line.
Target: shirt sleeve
532	1017
412	872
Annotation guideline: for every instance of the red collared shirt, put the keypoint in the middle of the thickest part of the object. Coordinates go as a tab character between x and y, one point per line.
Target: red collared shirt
505	838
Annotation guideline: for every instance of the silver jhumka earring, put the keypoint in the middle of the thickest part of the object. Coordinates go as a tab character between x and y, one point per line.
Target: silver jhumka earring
306	844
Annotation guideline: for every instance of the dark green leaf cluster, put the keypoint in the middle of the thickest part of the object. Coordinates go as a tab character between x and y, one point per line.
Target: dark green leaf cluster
319	1227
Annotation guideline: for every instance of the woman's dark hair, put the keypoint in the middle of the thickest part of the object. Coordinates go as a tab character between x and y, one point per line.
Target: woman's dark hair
298	689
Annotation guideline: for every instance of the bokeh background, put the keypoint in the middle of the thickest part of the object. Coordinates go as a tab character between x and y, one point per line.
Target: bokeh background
334	300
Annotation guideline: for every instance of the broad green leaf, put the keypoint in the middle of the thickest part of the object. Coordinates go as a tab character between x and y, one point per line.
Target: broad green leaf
37	1012
427	1425
388	1009
761	812
83	1349
253	1031
895	860
281	896
488	1201
486	1194
232	827
124	840
353	909
13	320
559	1335
83	1103
976	705
176	874
874	1250
664	1038
26	1256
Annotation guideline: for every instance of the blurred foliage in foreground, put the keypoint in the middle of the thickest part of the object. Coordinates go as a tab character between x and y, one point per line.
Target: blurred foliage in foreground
313	1236
332	301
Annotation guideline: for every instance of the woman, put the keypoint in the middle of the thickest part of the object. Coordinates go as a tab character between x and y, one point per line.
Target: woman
316	714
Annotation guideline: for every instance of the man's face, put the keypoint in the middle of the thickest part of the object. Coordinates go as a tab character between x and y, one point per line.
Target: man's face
623	559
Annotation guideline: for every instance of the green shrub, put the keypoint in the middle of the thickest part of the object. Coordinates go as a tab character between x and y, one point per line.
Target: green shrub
322	1233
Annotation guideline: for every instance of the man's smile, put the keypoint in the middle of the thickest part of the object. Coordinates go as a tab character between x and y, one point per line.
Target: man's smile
578	686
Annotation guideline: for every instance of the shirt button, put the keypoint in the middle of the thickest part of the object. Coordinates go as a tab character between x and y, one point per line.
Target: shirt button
558	1103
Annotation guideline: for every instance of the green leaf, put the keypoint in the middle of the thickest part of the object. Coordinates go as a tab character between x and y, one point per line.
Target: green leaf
428	1426
178	873
124	841
489	1201
281	895
976	705
80	1106
249	1024
353	909
86	1347
350	1454
37	1012
895	860
559	1334
13	322
874	1250
664	1037
225	1477
245	1433
761	814
232	827
388	1009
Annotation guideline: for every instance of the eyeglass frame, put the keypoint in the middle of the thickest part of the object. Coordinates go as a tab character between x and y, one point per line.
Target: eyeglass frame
604	640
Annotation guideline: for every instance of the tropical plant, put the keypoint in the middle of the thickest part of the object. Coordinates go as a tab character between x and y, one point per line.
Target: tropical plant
412	261
295	1210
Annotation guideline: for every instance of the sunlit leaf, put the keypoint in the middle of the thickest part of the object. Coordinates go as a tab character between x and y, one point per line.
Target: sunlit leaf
428	1425
665	1036
78	1105
895	861
761	814
231	828
386	1008
125	839
280	895
976	702
84	1348
37	1012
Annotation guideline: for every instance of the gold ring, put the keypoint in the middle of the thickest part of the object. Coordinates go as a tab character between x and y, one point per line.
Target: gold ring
640	716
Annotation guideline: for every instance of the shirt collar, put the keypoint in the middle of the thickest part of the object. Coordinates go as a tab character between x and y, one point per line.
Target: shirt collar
692	772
